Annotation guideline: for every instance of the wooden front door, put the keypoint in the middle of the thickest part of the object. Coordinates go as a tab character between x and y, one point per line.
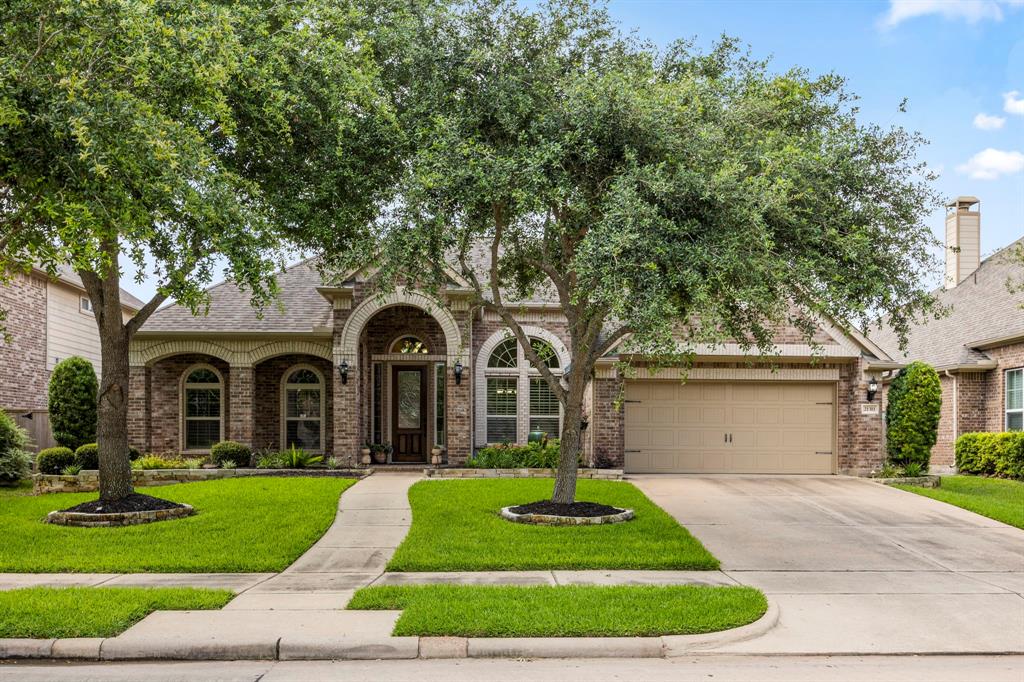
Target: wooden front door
409	413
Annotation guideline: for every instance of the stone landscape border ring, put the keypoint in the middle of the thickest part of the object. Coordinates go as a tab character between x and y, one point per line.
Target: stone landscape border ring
555	520
131	518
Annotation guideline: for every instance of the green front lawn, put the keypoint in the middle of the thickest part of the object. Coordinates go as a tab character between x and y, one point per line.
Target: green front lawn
996	498
56	612
456	526
564	611
245	525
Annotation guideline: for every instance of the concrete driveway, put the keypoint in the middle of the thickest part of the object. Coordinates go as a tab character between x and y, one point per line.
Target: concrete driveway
857	567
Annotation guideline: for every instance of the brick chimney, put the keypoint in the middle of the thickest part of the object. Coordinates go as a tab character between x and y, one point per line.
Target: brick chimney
963	239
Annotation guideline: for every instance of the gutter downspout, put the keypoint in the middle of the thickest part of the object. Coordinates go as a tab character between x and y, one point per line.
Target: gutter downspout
956	405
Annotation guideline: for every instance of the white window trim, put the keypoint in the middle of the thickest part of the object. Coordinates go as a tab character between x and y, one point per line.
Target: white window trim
508	373
183	386
85	305
285	387
524	371
1006	402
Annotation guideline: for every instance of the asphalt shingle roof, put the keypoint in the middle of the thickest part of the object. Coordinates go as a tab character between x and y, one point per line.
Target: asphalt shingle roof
302	308
981	308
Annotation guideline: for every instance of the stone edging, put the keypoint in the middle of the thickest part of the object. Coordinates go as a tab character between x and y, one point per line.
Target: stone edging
556	520
359	648
89	480
926	481
131	518
602	474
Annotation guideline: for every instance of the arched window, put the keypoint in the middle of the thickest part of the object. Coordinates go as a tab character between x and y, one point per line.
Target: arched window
508	375
202	408
302	410
409	344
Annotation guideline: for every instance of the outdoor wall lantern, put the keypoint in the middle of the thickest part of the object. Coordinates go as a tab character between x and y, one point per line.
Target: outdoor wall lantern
343	371
458	372
872	388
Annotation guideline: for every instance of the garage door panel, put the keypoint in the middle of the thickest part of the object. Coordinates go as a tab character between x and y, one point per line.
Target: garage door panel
778	427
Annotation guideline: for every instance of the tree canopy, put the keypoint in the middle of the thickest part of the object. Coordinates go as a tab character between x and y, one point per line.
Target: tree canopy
667	198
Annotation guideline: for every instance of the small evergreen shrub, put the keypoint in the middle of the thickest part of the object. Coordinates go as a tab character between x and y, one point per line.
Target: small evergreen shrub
157	462
72	402
535	455
12	436
54	460
229	450
991	454
912	418
297	458
71	470
88	456
15	463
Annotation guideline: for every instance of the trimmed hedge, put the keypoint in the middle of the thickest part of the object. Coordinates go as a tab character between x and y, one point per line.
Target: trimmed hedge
912	417
88	456
231	451
53	460
72	402
532	455
991	454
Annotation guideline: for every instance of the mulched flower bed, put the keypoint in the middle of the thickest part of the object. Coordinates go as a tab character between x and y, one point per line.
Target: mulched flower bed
133	503
579	509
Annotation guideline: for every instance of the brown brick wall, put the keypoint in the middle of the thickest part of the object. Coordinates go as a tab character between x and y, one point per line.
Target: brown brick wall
23	373
165	399
267	400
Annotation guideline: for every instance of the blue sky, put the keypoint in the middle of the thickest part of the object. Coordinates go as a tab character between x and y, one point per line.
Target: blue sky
960	63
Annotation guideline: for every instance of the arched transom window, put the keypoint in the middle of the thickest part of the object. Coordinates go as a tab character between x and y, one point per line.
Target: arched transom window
509	376
409	344
302	413
202	408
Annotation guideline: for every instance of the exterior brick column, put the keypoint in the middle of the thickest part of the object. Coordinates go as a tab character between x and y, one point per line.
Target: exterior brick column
138	408
607	425
346	416
241	424
457	420
860	437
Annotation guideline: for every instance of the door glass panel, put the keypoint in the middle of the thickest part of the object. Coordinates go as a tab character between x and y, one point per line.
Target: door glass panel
409	400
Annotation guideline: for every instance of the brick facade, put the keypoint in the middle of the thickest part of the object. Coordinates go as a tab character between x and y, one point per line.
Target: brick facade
23	373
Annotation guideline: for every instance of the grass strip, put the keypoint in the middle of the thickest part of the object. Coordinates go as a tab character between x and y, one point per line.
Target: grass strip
997	498
55	612
563	611
457	527
241	525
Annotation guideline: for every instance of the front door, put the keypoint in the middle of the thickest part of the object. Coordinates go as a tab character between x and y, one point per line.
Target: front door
409	414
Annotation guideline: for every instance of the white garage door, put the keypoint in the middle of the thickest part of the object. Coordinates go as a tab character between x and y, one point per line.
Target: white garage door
742	427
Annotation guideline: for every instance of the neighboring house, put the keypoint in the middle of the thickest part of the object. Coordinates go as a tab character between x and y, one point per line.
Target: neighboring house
48	319
339	366
978	349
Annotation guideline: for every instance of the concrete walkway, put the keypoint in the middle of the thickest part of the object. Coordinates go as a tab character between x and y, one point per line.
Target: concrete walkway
716	578
855	566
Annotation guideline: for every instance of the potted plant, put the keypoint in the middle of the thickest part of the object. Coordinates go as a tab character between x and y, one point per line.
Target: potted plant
435	455
365	453
381	452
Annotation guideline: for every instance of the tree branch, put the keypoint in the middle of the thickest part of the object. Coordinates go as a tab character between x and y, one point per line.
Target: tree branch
145	311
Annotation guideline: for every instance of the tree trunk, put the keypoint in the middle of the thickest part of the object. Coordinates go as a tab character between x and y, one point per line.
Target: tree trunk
112	418
570	444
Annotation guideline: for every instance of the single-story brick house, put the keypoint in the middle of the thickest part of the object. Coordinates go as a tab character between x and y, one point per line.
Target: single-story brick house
340	365
978	348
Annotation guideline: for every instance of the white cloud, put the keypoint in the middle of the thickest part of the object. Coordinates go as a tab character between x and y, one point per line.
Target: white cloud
971	11
986	122
989	164
1012	103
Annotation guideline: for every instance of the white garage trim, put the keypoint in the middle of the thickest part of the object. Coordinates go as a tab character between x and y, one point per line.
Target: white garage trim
727	374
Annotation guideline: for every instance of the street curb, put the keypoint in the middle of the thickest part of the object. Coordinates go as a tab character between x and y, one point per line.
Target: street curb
358	648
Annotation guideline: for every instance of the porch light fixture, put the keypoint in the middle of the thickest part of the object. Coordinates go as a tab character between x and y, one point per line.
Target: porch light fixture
458	372
872	388
343	371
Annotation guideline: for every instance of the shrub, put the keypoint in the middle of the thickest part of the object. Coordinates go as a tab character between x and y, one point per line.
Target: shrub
71	470
532	455
12	436
297	458
229	450
228	464
15	465
912	418
72	402
54	460
194	463
157	462
269	460
991	454
88	456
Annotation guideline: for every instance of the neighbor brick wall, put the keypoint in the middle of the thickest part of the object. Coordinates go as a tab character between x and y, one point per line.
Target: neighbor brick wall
23	374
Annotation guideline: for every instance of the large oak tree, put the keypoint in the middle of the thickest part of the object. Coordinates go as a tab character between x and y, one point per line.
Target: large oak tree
184	136
668	199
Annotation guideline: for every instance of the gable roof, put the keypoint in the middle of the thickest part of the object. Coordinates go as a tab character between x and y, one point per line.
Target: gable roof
982	309
67	275
304	309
